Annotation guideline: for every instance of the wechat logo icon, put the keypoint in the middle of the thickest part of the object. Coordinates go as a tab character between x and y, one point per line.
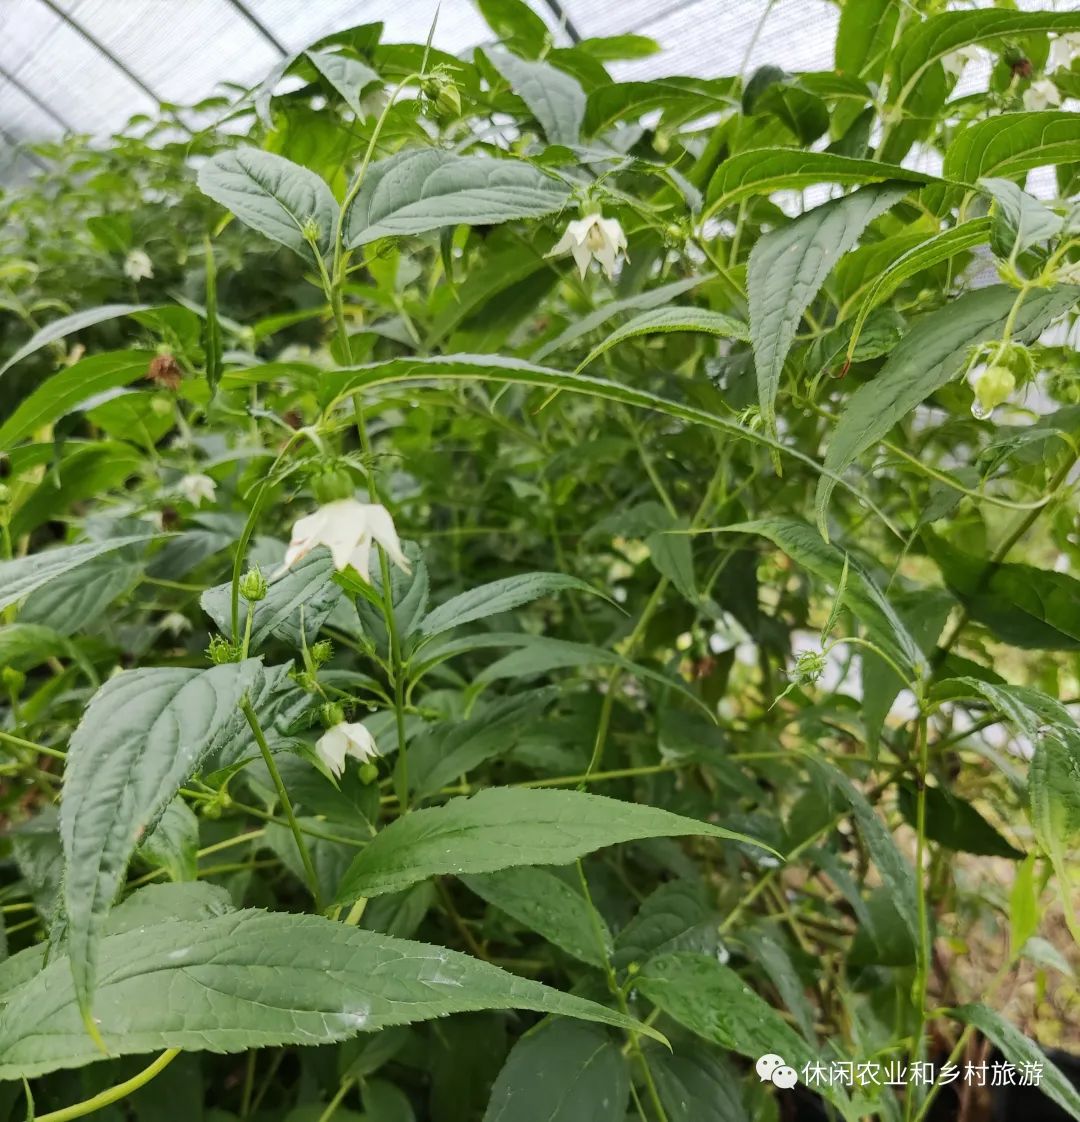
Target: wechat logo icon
773	1069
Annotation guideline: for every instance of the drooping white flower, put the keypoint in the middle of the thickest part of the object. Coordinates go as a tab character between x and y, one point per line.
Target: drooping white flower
589	237
347	528
1062	51
345	739
175	624
1041	94
198	488
138	266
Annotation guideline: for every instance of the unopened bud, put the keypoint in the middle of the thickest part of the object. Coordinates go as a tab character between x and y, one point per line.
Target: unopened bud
331	714
253	585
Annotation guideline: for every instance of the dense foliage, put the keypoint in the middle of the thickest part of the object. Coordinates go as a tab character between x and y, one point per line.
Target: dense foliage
674	656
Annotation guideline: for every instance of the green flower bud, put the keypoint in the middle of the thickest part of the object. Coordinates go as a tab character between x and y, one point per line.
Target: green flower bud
331	714
809	666
221	651
13	679
310	231
993	386
332	483
322	652
253	585
369	772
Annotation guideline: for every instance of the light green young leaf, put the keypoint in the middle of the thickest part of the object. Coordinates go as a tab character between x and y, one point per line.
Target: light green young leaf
787	268
1019	220
24	575
714	1002
273	195
347	75
253	979
142	735
498	596
562	1072
554	98
544	902
669	319
68	325
68	390
419	190
928	357
1010	143
504	827
764	170
1019	1051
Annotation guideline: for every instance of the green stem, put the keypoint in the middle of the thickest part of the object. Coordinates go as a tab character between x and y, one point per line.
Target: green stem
113	1094
283	796
397	672
620	998
19	742
922	969
347	1085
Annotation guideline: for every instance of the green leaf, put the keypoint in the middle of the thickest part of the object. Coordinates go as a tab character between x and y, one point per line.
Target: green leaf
668	319
254	979
696	1085
24	575
764	170
955	823
70	389
931	252
555	99
714	1002
1011	143
929	357
544	902
173	843
347	75
678	99
864	37
274	196
424	189
860	594
1023	605
26	645
562	1072
497	369
504	827
68	325
142	735
1024	911
677	916
787	268
305	586
1019	220
578	328
926	43
1018	1050
539	654
497	597
514	19
455	748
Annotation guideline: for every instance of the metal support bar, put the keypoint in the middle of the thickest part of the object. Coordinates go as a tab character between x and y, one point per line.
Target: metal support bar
259	26
33	97
102	49
19	150
559	12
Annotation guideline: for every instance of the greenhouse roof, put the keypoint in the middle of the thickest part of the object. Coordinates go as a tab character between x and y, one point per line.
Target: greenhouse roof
86	66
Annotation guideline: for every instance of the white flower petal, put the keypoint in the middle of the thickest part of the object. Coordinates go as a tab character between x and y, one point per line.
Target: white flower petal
331	748
381	528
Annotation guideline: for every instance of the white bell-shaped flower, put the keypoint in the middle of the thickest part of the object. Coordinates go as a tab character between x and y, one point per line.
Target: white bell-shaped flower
198	488
343	740
138	266
592	237
1041	94
347	528
1062	51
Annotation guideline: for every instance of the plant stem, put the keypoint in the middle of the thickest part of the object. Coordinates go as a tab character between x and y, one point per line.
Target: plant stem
283	796
113	1094
347	1085
620	998
922	969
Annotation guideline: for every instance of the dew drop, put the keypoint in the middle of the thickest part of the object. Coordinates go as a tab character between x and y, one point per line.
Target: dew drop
979	411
